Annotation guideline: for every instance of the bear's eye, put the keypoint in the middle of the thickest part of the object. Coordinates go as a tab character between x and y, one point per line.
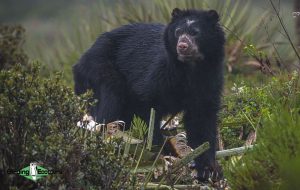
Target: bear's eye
178	32
194	31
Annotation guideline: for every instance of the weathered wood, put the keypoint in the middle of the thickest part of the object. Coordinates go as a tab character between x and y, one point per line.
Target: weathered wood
160	187
233	151
191	156
151	129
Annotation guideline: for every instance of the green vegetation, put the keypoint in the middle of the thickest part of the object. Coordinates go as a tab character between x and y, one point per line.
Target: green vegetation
39	111
38	119
11	41
275	160
59	44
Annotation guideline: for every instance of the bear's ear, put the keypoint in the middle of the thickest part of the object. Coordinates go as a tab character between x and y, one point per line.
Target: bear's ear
213	16
176	13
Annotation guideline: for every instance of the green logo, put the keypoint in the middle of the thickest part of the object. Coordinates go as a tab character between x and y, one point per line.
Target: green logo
34	172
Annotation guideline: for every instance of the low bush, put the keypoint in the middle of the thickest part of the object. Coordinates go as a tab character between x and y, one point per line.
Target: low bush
38	119
11	42
274	162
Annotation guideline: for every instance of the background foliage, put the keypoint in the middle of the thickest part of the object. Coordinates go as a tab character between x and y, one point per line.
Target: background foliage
274	162
58	43
39	111
38	119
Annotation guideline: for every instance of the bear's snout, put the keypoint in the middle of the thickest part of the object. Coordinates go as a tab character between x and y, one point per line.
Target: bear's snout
182	47
185	49
185	45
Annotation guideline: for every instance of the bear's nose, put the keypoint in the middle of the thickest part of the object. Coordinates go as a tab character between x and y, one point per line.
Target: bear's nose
182	46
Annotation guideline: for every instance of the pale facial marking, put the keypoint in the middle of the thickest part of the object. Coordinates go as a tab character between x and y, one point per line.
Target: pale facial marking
189	22
186	37
194	51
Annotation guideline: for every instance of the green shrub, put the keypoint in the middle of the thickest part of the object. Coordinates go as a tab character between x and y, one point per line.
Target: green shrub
11	42
274	163
247	105
242	112
38	119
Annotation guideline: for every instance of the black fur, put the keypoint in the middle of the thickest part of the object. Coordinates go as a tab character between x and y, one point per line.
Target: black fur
136	67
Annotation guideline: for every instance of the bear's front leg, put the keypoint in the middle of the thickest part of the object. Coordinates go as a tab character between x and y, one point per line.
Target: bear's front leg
201	125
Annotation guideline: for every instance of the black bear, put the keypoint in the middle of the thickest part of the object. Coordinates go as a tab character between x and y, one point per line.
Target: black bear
171	68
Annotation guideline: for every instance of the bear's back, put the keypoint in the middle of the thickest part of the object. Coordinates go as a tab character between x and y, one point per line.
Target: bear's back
137	48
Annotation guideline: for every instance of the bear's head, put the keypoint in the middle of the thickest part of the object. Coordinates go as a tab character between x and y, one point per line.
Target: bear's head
194	35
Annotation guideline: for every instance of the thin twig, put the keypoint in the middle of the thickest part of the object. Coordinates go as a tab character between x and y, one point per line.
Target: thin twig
187	159
275	48
164	125
284	28
191	156
233	33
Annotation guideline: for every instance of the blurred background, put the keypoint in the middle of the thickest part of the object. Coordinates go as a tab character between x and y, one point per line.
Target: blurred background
58	32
